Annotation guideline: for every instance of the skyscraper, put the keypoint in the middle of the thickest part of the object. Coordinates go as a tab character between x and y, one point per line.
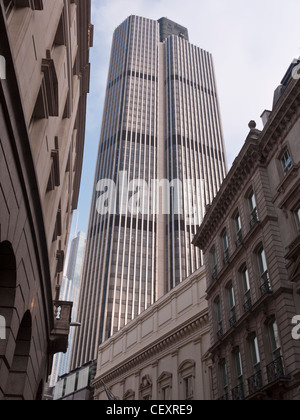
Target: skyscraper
161	122
70	292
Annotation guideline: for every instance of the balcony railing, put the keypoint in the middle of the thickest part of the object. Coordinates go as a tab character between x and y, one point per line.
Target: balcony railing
248	305
255	383
238	393
275	370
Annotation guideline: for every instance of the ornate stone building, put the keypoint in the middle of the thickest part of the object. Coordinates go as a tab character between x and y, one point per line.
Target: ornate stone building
251	240
43	90
163	353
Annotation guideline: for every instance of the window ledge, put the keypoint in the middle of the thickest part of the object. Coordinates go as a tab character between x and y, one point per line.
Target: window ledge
288	178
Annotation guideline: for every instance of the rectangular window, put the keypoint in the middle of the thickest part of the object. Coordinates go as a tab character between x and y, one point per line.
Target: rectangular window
253	209
226	248
246	289
255	354
219	318
239	366
262	262
263	270
275	342
233	317
224	380
188	388
238	392
286	162
214	263
238	229
297	215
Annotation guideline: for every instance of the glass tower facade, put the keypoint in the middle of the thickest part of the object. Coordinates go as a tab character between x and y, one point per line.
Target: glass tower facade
70	292
161	122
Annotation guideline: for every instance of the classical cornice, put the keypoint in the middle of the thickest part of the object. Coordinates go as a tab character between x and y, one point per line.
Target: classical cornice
258	150
197	324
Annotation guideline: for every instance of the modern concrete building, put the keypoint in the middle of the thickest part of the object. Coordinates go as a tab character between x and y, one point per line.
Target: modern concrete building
45	45
70	292
162	354
251	240
161	122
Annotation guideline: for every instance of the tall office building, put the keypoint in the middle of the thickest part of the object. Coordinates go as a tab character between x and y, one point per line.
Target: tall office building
161	122
70	292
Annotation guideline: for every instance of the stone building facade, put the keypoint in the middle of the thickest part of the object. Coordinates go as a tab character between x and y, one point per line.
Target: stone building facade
45	45
163	353
251	241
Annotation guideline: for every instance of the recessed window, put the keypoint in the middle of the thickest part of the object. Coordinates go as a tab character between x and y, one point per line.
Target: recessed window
214	263
188	388
297	215
264	273
255	382
233	318
238	392
274	338
246	289
219	318
226	247
238	229
224	376
253	209
286	161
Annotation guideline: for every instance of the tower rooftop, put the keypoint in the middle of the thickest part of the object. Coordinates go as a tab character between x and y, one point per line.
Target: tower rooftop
168	28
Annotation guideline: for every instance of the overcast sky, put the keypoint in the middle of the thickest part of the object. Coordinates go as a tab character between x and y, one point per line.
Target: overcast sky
253	43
